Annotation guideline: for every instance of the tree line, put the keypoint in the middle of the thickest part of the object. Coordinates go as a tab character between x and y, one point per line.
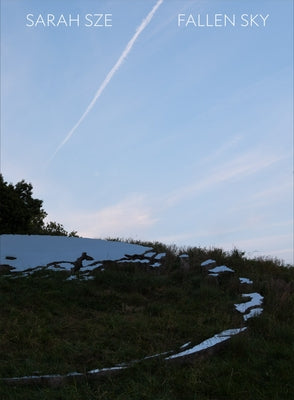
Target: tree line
20	213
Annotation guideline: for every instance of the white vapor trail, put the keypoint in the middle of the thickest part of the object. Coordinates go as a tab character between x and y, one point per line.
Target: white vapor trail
110	74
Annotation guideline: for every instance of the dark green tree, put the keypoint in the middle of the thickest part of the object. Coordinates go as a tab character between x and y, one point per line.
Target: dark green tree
56	229
20	213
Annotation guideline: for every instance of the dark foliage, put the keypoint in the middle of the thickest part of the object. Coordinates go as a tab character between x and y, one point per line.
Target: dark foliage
20	213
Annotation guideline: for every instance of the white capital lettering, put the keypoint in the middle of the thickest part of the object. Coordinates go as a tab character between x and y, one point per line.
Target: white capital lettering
50	20
28	17
71	19
244	19
191	20
40	20
61	20
99	16
108	19
264	18
252	20
180	19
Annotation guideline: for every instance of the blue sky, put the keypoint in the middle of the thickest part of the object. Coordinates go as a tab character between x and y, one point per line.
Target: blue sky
191	141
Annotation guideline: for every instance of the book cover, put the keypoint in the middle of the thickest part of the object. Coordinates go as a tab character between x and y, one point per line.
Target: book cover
165	126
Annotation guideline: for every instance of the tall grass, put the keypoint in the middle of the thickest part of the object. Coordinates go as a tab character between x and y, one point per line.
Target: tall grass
51	325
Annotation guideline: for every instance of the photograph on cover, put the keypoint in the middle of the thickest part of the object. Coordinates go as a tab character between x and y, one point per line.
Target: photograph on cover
156	120
146	200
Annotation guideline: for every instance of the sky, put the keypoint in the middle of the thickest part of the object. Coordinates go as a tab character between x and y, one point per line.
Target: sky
166	122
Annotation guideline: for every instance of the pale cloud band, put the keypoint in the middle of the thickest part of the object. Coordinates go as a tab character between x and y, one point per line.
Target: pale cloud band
121	219
236	168
110	74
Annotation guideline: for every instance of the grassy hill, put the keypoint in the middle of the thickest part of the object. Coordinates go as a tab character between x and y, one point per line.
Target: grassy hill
127	312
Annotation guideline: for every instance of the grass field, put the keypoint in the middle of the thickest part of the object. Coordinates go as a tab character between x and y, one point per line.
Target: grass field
50	325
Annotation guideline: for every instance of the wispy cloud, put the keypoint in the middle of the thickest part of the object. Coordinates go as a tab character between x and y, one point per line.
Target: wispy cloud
224	148
285	187
279	190
110	75
270	245
237	168
124	218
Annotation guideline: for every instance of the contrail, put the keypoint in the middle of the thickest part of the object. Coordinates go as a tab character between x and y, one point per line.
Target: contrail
110	74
